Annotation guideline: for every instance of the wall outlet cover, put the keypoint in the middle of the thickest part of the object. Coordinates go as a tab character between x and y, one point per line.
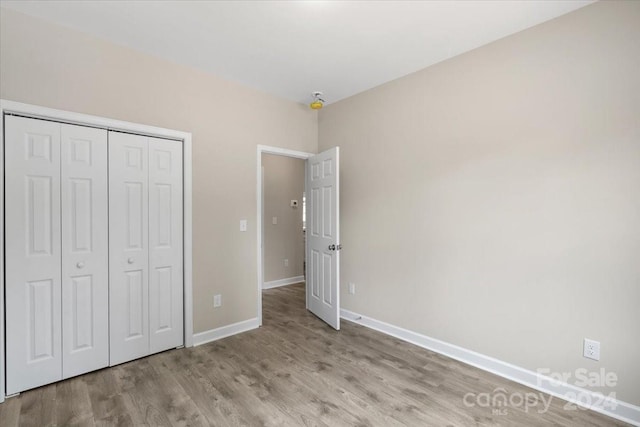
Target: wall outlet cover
591	349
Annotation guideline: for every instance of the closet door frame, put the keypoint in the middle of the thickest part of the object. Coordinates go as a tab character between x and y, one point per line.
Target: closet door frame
8	107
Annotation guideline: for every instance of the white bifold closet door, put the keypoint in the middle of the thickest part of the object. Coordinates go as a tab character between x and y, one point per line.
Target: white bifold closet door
33	253
145	246
85	250
128	247
166	288
56	257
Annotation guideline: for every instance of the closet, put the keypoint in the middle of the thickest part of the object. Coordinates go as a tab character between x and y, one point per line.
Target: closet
94	258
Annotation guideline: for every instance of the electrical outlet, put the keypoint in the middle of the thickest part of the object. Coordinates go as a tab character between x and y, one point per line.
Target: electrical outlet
591	349
274	220
286	263
352	288
217	301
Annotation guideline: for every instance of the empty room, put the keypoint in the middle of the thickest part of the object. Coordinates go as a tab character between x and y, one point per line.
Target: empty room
320	213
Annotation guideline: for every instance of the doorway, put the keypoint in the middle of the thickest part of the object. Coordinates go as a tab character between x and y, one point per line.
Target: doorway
283	239
277	223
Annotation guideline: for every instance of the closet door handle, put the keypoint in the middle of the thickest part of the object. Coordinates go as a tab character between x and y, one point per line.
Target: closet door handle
80	264
130	260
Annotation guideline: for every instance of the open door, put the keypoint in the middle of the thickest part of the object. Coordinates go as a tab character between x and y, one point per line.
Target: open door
323	236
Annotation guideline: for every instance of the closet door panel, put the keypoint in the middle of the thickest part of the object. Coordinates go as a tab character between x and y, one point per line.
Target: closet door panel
33	253
85	250
128	247
165	244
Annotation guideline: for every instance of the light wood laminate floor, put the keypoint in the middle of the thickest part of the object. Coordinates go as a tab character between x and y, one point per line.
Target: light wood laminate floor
293	371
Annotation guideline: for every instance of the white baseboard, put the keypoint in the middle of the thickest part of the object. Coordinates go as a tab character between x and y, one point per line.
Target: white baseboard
620	410
282	282
225	331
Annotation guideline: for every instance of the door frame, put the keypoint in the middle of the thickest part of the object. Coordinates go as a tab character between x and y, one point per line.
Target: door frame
265	149
38	112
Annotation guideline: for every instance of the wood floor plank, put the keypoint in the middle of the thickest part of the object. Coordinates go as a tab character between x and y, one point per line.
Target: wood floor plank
293	371
31	409
143	396
203	392
106	401
10	411
182	410
73	406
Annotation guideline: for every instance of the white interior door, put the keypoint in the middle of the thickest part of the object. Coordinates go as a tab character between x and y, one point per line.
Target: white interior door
128	247
165	245
33	253
85	251
323	236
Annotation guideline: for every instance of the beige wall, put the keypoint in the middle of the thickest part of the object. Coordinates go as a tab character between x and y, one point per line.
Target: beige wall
283	182
49	65
493	201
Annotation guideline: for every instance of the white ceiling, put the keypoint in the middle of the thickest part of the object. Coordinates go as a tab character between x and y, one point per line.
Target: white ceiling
292	48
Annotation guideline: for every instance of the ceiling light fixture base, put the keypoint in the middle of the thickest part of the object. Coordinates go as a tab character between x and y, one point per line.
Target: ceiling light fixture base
317	102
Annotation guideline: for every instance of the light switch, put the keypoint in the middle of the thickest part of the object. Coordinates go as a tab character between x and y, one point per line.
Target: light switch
274	220
243	225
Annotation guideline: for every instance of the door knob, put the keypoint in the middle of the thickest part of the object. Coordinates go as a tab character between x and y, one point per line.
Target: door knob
80	264
130	260
332	247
